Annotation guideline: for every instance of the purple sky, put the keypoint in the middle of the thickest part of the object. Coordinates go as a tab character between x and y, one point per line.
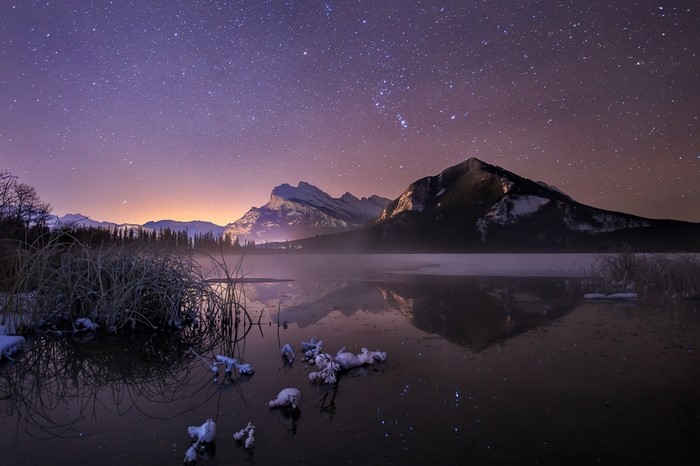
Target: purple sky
131	111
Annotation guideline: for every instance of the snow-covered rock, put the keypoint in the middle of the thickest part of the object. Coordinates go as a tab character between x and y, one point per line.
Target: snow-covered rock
229	363
288	353
204	433
286	397
348	360
328	369
246	435
10	344
191	453
311	349
368	357
84	323
246	369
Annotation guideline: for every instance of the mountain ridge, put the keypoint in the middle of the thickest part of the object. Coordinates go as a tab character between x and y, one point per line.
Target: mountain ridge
472	206
193	227
475	206
296	212
291	213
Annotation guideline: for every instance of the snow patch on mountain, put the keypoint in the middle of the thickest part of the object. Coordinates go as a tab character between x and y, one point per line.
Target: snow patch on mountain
78	220
506	184
414	199
602	222
83	221
510	208
193	227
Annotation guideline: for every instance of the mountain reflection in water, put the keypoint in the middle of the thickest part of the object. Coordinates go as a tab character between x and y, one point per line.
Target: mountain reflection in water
474	312
479	370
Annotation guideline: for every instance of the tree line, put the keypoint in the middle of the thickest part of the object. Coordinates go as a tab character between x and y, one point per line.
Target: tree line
25	218
165	238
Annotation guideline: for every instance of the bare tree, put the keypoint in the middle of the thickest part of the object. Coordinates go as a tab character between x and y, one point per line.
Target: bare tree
20	206
7	183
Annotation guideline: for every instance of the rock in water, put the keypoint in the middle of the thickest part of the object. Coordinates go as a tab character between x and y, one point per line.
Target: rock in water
286	397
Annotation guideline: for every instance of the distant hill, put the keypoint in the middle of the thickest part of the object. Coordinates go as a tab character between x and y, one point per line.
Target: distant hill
303	211
474	206
193	228
80	220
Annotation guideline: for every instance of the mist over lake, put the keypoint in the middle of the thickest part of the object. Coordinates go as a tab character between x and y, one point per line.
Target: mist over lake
490	359
373	266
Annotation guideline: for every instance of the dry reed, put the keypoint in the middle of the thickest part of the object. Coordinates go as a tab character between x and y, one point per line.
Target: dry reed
113	287
650	275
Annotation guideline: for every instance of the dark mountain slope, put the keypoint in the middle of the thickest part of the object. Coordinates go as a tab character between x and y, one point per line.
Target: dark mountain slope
474	206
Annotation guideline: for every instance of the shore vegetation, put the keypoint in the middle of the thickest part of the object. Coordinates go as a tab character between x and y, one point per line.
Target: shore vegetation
651	276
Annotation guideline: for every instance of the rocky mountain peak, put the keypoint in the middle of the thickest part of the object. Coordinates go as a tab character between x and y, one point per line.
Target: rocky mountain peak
295	212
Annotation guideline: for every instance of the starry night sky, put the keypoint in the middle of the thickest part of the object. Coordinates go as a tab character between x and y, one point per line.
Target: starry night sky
131	111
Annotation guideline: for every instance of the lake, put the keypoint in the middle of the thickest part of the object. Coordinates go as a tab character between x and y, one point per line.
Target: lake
491	359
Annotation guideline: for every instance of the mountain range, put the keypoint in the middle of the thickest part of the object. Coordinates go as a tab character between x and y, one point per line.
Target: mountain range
303	211
469	207
291	213
475	206
193	228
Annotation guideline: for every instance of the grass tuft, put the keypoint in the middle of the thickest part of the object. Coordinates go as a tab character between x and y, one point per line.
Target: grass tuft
121	287
652	276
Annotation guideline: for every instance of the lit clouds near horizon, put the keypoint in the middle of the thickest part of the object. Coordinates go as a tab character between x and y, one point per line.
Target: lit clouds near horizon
131	111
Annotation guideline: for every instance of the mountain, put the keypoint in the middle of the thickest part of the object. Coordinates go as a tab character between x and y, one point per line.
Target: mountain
303	211
77	220
474	206
80	220
193	227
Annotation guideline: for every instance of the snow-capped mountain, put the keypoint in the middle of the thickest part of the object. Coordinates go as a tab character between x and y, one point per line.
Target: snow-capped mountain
493	196
80	220
474	206
193	228
304	211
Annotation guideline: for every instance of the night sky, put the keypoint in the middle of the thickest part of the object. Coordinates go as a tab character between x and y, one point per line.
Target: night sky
131	111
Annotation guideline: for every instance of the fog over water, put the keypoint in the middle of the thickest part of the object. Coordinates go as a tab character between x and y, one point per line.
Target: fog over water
381	266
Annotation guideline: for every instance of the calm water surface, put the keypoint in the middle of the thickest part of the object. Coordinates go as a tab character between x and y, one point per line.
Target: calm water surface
480	370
